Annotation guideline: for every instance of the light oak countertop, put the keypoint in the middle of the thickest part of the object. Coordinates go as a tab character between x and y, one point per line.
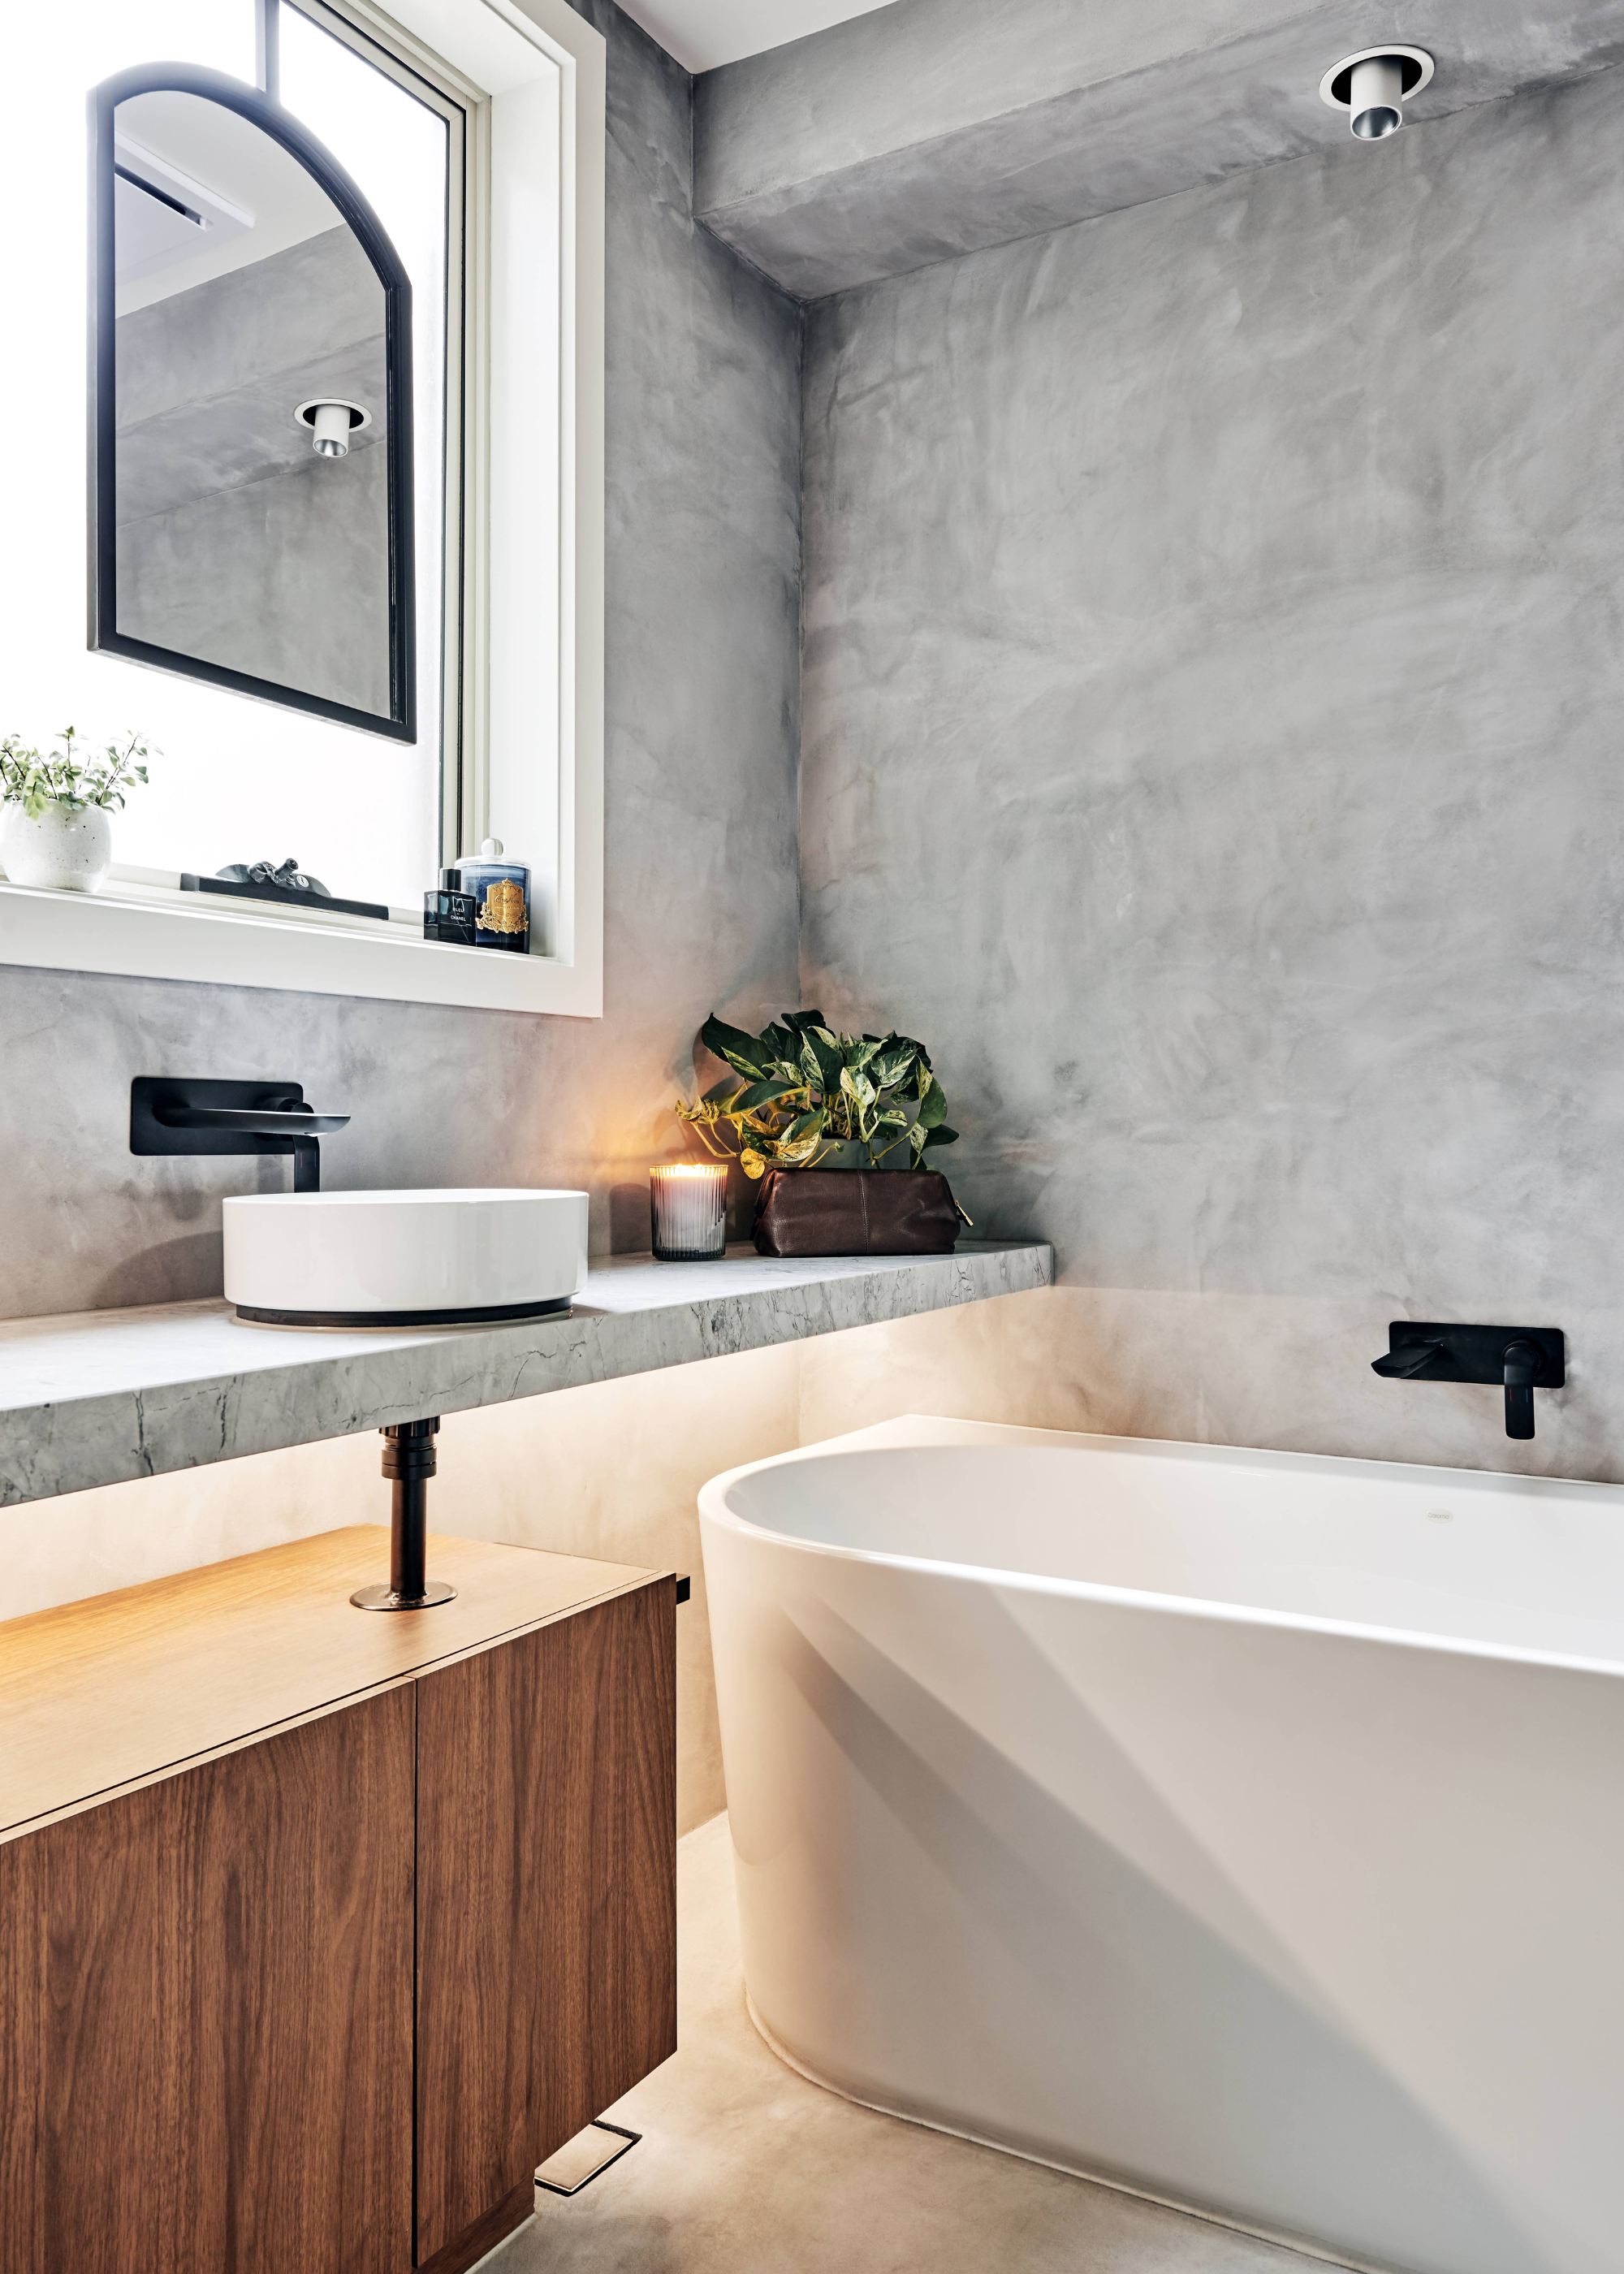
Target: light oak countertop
101	1697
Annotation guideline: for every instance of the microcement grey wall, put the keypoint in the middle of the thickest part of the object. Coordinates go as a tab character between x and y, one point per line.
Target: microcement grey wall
703	535
1213	670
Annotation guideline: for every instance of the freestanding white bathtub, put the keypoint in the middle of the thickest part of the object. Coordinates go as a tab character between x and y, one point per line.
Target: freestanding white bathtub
1246	1829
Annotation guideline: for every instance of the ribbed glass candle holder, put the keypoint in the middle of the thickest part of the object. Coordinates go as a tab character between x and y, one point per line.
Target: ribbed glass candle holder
690	1211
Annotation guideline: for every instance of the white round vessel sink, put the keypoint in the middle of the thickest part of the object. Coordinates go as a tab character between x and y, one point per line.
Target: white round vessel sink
403	1258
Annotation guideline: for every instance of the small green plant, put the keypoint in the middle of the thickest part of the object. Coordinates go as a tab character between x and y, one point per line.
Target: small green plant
800	1088
33	780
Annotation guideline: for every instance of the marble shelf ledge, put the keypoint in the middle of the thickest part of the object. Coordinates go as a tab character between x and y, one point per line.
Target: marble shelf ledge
97	1398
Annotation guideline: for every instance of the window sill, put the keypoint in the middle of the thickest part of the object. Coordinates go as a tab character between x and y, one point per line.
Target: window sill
140	932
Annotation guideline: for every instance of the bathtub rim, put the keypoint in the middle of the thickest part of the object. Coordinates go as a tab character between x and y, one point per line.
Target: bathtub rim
903	1434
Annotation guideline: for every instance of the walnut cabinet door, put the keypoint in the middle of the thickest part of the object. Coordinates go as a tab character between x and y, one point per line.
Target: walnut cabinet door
206	2016
546	1904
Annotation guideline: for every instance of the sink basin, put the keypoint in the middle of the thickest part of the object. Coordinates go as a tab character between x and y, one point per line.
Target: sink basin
403	1258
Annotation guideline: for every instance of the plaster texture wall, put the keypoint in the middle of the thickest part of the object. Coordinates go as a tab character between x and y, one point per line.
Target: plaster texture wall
934	127
1212	675
703	570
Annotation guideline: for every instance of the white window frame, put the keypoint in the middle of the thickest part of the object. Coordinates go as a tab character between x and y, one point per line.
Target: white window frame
139	926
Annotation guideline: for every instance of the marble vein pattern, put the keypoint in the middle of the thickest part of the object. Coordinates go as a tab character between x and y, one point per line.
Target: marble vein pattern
101	1397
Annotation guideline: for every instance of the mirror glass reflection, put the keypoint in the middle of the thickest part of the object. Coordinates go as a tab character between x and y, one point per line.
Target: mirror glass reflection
251	477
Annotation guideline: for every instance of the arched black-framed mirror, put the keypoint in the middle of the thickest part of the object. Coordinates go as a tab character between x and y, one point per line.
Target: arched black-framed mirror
251	405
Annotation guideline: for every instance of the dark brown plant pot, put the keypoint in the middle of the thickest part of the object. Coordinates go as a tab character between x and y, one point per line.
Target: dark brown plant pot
855	1212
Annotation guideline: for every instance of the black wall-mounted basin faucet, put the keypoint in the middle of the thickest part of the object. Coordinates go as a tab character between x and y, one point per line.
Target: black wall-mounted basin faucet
1520	1359
180	1113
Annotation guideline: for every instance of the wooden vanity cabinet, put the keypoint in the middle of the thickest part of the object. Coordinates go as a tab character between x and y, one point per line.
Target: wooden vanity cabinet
318	2004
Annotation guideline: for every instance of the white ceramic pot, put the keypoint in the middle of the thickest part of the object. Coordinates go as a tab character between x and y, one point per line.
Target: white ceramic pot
70	852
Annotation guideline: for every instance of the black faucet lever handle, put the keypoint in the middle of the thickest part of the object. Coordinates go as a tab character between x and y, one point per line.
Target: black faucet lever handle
1522	1368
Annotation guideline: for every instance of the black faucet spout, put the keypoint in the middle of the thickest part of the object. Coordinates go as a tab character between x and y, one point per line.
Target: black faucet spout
1406	1363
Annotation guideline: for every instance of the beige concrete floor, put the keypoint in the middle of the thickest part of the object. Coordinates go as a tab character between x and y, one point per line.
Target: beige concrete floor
745	2168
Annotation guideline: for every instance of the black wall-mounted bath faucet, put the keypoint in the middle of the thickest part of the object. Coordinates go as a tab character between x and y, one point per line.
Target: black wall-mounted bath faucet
181	1113
1520	1359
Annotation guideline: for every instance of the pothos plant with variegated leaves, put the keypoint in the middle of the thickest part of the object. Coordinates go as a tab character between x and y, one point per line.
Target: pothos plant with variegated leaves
798	1090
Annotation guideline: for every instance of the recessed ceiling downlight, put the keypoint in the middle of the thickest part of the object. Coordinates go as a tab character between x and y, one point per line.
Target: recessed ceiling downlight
1373	86
332	421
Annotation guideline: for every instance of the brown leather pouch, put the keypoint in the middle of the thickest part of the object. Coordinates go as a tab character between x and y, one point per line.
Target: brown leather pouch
855	1212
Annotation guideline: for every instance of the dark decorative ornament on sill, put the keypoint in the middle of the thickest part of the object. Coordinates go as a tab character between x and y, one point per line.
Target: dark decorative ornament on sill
260	880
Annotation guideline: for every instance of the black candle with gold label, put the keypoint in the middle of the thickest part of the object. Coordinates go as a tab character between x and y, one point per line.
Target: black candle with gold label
501	890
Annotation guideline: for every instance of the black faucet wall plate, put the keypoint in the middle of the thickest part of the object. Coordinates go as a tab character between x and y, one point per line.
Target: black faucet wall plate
1519	1360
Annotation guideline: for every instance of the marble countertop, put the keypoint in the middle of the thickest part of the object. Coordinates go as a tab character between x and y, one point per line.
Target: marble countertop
97	1398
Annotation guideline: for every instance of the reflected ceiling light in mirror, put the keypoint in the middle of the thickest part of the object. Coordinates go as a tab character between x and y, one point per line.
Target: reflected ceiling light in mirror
1373	86
162	215
331	424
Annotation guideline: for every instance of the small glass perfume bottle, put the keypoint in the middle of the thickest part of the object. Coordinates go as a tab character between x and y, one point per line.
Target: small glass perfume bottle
502	895
449	911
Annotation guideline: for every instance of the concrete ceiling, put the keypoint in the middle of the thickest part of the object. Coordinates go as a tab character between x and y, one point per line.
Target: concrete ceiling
933	127
702	34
